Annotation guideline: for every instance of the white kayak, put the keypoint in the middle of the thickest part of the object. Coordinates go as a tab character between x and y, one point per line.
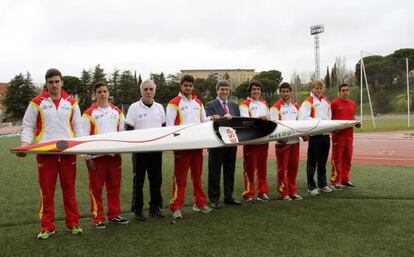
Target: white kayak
212	134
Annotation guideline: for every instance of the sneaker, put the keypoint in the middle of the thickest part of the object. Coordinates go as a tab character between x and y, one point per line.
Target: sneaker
177	215
249	200
119	220
139	216
263	198
76	230
100	225
349	185
314	192
296	197
286	198
326	189
337	187
203	209
215	205
45	234
156	214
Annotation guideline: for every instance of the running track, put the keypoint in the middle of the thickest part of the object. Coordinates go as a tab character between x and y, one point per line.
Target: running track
381	148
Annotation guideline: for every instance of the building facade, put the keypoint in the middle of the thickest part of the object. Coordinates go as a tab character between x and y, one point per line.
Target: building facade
235	76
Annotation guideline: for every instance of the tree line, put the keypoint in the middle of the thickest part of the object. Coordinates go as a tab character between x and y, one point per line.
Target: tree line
386	75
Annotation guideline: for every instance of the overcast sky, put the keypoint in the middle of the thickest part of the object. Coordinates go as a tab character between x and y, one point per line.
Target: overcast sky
169	35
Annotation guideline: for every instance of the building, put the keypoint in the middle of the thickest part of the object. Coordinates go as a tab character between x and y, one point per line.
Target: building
235	76
3	91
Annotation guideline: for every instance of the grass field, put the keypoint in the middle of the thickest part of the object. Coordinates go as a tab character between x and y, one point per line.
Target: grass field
374	220
385	124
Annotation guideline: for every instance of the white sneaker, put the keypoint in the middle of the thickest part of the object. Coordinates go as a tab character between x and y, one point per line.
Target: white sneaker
177	215
263	198
314	192
326	189
203	209
296	197
286	198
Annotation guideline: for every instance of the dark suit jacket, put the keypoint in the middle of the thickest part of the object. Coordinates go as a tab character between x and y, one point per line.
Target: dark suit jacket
215	107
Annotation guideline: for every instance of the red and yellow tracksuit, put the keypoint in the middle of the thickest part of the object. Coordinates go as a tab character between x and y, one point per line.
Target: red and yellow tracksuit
108	168
181	111
254	156
342	142
45	121
287	154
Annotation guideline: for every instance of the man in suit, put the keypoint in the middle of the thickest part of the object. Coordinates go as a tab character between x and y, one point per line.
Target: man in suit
218	157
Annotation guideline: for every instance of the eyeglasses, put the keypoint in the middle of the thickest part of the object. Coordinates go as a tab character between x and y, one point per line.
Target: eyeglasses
344	90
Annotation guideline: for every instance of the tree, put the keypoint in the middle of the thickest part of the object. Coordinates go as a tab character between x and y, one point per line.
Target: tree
114	86
159	79
98	75
128	90
241	90
334	77
270	80
71	84
19	93
139	80
85	90
327	79
226	76
166	93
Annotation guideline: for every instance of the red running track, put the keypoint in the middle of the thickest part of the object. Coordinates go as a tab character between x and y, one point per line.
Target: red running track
381	148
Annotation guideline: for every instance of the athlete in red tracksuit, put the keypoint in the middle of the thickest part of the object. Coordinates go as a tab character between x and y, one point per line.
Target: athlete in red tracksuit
54	115
255	156
186	108
100	118
343	108
287	153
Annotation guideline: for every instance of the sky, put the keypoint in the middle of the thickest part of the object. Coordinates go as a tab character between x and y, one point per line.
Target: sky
170	35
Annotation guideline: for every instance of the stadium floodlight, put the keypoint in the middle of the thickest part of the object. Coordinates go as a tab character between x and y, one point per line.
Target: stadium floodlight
315	31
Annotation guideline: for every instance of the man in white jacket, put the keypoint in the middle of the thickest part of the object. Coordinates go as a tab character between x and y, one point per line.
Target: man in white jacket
54	115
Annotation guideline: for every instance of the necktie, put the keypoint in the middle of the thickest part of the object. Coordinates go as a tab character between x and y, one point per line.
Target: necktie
226	109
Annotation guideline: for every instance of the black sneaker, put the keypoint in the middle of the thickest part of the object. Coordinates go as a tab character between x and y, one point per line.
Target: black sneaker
349	185
139	216
215	205
156	214
119	220
100	225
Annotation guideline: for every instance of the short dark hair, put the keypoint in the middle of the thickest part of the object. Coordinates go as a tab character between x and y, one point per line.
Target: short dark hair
342	85
53	72
99	84
187	78
285	85
255	83
222	83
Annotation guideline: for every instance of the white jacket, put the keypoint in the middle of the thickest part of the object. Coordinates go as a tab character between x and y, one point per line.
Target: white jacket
42	122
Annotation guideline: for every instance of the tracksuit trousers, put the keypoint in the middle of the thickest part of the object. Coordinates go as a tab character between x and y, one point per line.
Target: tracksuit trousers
49	167
107	173
184	160
341	158
287	156
255	163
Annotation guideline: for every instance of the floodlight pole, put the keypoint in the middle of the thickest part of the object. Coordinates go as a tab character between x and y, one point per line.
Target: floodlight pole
315	31
361	83
408	93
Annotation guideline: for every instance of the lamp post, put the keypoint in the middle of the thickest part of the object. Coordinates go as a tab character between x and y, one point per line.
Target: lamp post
315	31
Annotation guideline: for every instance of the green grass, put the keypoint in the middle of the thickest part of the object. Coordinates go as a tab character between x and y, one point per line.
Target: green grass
374	220
385	124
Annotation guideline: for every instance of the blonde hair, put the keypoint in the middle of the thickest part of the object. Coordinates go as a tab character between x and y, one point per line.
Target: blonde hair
318	82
